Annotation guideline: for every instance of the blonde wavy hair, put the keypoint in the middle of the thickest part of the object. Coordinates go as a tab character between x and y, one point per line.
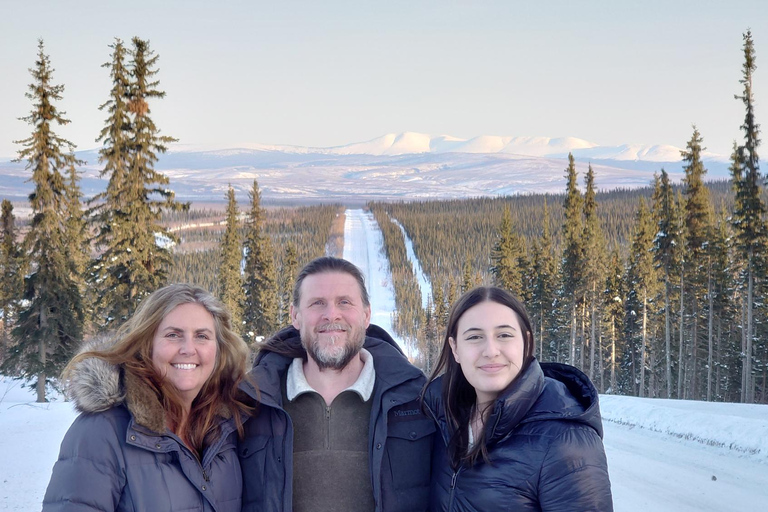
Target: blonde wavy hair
219	396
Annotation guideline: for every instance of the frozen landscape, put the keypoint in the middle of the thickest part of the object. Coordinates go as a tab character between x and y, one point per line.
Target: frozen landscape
663	455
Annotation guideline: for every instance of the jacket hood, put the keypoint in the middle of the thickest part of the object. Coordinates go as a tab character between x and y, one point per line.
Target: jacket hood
543	392
95	385
547	391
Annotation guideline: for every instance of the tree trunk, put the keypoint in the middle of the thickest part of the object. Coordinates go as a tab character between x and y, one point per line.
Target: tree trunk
600	365
667	337
694	347
710	329
613	357
41	375
593	337
583	344
572	359
743	350
682	337
640	391
718	357
750	395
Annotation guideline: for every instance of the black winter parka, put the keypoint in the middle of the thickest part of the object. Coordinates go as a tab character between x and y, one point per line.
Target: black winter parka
400	435
544	439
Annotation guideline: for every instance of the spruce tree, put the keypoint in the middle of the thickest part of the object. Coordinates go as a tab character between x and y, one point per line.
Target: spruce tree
467	280
643	282
261	294
506	257
50	326
698	222
667	257
11	275
289	272
231	289
749	212
544	289
572	254
136	247
613	311
593	271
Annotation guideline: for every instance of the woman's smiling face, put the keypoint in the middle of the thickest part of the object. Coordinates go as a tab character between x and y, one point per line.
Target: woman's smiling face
184	349
489	347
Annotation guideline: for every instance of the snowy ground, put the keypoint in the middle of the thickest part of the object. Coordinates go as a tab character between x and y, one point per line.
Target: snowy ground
663	455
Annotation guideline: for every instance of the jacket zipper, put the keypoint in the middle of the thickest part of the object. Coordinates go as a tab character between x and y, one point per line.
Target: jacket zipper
453	488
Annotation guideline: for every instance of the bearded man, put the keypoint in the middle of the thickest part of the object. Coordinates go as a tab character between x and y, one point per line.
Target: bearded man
339	426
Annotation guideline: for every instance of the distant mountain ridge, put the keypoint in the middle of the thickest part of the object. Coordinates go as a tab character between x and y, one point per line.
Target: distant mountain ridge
405	166
396	144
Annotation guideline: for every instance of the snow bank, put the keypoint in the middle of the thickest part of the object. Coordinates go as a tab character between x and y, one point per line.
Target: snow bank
740	428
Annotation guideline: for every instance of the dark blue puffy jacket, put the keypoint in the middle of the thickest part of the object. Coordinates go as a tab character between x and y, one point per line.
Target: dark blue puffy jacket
544	439
400	435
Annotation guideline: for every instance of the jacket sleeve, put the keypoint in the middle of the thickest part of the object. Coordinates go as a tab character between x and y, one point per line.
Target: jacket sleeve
90	472
574	474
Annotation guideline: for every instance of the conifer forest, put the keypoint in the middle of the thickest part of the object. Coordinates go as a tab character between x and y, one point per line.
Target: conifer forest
654	292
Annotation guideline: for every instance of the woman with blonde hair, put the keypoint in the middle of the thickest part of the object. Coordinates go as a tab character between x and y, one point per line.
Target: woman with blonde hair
161	412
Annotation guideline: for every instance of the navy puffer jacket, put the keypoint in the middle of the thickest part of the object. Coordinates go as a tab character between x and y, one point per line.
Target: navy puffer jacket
400	434
118	455
544	439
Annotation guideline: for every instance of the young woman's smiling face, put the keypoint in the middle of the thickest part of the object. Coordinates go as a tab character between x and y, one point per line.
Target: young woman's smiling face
489	347
184	349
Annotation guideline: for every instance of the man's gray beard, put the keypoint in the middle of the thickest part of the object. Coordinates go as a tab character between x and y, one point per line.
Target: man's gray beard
332	359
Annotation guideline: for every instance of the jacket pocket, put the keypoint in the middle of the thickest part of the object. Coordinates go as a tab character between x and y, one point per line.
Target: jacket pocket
408	455
252	452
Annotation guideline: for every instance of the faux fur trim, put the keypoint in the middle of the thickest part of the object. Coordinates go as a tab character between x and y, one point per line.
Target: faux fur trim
94	385
143	404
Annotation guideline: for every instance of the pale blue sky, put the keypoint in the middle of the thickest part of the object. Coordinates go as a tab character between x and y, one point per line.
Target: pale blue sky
325	73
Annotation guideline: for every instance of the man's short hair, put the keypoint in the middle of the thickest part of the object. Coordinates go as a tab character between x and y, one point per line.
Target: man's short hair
330	264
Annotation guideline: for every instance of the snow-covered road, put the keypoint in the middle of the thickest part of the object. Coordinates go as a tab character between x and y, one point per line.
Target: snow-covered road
364	246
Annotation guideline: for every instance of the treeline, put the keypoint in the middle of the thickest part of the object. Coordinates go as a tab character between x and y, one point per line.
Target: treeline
83	267
654	292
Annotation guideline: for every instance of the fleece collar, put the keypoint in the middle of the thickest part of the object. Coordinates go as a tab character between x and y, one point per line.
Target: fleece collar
296	381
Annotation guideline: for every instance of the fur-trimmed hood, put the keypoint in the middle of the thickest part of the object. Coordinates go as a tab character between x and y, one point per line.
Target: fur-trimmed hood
94	385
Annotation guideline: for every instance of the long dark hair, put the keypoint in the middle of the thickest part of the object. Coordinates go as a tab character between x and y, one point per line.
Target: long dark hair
458	395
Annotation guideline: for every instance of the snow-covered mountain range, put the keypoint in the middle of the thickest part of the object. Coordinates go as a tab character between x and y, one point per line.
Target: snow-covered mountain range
405	166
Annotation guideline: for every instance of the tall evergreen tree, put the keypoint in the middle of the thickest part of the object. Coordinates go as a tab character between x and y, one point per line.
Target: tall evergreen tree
261	294
749	212
613	311
572	255
593	268
698	222
289	272
544	289
506	257
231	289
136	247
643	284
11	276
667	257
467	278
50	326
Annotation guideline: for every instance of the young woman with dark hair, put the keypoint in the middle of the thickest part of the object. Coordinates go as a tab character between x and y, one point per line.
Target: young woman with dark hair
517	435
